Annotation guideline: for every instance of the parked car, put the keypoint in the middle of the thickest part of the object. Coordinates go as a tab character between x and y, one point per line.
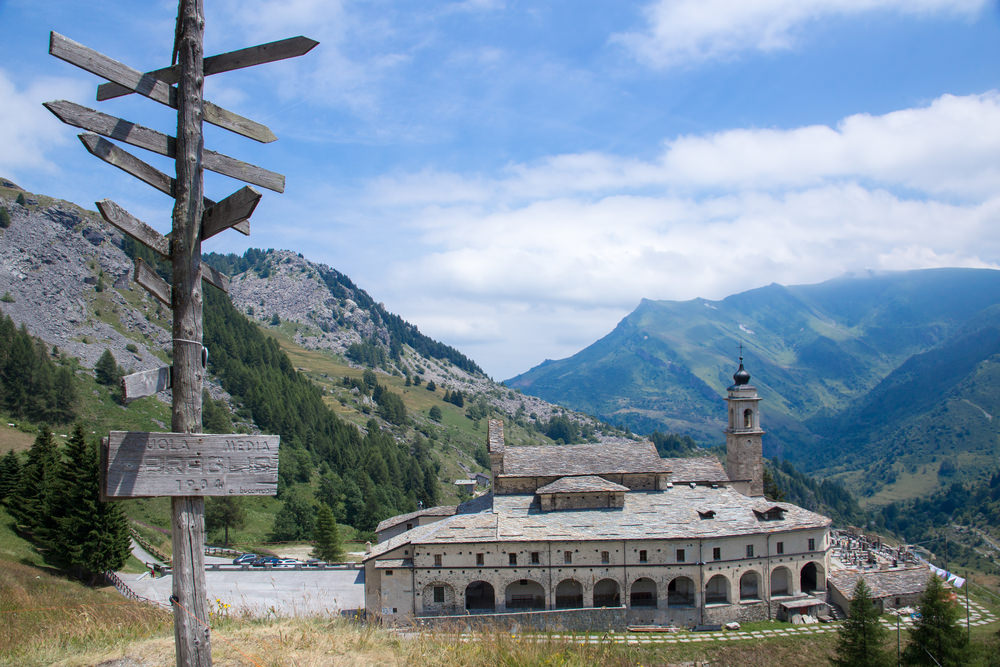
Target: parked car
261	561
286	562
244	559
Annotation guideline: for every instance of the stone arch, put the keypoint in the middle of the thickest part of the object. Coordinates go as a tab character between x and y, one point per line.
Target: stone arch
812	577
438	598
748	418
607	593
750	585
480	596
717	590
524	594
781	581
680	592
569	594
643	593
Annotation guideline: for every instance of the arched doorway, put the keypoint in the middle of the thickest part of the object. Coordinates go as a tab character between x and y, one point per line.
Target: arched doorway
781	581
569	594
750	586
812	578
479	596
680	592
643	593
717	590
606	594
524	594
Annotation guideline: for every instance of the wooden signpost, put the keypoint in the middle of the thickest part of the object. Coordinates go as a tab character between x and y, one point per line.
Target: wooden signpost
185	464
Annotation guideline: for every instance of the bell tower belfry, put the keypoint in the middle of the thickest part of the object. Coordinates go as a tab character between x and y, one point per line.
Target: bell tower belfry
744	450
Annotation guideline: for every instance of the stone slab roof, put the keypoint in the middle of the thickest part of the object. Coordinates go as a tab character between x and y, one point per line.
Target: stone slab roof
647	515
581	484
883	583
697	469
596	459
440	510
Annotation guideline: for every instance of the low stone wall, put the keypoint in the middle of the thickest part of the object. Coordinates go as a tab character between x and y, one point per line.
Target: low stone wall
565	620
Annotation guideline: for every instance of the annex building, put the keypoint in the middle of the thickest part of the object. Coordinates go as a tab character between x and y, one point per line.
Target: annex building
681	541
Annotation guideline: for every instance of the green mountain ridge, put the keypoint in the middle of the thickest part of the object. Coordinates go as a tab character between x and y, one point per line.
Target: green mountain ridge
835	364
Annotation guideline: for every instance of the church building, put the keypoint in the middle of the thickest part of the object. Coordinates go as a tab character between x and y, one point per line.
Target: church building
678	541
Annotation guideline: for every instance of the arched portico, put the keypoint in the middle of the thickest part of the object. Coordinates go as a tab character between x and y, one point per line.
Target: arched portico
812	577
607	593
717	590
781	581
750	585
569	594
524	594
480	596
643	593
680	592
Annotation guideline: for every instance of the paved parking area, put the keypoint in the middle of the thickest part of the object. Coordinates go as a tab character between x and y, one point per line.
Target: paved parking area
260	592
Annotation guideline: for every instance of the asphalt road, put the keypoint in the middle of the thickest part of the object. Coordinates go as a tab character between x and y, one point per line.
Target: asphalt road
286	592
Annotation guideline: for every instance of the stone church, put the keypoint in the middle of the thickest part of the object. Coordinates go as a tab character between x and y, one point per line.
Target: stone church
679	541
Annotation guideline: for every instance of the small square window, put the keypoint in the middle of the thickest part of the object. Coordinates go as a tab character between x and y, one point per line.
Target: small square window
439	593
409	526
680	555
716	553
605	557
388	573
780	547
437	560
642	556
567	557
535	558
749	551
480	559
812	544
512	559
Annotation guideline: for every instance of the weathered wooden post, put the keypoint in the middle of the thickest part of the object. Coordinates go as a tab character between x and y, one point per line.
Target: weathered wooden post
185	464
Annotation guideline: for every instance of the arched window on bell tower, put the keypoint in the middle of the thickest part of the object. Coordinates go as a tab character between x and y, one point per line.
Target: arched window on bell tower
748	418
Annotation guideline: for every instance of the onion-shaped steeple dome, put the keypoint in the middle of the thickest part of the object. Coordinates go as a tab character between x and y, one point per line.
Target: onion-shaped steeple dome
741	377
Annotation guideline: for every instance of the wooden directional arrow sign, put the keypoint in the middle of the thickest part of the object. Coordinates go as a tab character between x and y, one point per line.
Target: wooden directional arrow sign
234	209
151	140
137	464
292	47
134	227
152	282
116	72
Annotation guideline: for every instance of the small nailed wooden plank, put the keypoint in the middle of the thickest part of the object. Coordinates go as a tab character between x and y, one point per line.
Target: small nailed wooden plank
215	278
232	210
128	163
139	464
152	282
292	47
146	383
108	68
163	144
134	227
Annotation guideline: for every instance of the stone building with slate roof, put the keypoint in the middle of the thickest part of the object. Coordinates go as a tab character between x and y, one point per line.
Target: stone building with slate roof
681	541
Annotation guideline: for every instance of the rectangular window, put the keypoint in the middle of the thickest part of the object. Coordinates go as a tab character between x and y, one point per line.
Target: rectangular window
605	557
680	555
439	594
388	573
716	553
535	558
409	526
480	559
780	546
749	551
642	555
812	544
567	557
437	560
512	559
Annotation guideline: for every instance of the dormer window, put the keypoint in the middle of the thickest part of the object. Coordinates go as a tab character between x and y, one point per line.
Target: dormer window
774	513
706	514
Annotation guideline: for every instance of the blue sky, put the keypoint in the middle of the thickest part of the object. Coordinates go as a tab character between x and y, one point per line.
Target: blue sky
514	177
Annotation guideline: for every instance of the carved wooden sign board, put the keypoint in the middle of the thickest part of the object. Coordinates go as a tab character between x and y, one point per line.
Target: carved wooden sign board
138	464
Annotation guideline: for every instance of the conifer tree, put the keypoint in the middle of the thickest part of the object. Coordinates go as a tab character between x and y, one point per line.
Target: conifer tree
224	512
326	536
107	370
29	504
861	639
10	473
936	636
93	536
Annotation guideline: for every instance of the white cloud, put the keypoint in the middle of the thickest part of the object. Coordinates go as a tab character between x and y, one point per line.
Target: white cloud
29	133
691	31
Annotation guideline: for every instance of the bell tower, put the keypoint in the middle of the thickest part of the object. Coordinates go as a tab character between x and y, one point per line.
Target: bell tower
744	450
